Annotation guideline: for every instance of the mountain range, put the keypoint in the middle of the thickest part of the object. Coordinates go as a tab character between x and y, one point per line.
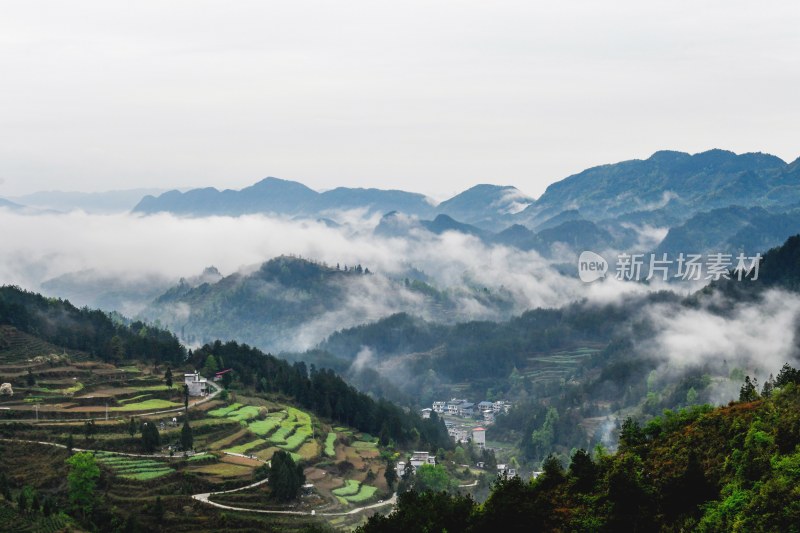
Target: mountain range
681	182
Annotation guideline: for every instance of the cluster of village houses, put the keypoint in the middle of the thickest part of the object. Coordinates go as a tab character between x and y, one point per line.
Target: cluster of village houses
418	459
461	408
484	410
462	433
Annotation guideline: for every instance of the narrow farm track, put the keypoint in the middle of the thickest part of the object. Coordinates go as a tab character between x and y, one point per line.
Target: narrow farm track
204	497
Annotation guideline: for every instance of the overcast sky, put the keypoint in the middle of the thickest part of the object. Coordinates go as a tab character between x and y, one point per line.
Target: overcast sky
421	95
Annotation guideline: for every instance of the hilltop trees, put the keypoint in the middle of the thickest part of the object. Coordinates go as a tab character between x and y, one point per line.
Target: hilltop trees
285	477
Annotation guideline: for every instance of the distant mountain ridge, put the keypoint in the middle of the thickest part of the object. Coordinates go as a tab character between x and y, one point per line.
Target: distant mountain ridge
118	201
684	183
667	188
283	197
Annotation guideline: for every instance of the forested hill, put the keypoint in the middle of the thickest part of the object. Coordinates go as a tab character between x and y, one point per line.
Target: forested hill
60	323
326	394
733	468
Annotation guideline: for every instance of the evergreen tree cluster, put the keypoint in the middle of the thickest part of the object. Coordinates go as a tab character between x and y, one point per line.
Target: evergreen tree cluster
92	331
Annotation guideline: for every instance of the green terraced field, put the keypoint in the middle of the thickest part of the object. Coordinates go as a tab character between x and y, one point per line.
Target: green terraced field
365	493
248	412
330	440
264	427
301	435
135	398
350	488
224	411
244	448
147	405
354	492
137	469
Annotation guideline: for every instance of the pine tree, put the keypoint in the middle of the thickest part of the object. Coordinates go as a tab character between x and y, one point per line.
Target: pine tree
391	473
187	439
168	377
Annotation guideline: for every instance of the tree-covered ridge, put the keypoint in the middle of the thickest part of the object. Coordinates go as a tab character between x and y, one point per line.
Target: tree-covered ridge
687	183
465	348
88	330
272	306
325	393
732	468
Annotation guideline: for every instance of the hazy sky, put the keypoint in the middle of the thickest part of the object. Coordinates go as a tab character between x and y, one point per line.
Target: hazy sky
421	95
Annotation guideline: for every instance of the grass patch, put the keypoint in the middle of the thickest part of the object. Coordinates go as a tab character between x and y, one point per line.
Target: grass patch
244	448
248	412
308	451
223	411
147	405
146	476
365	493
361	445
135	398
224	470
264	427
132	467
300	435
350	488
202	457
330	440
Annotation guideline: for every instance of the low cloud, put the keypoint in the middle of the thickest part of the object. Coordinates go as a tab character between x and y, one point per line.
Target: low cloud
164	247
757	337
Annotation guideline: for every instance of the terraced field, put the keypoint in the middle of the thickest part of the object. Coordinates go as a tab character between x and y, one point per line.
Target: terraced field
330	440
134	468
556	365
354	492
288	430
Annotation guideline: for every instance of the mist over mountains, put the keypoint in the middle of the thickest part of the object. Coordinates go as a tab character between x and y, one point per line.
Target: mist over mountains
477	296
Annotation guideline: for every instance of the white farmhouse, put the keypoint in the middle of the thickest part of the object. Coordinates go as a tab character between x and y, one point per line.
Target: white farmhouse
422	458
198	385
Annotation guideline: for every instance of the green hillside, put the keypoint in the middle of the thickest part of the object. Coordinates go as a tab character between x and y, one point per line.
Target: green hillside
733	468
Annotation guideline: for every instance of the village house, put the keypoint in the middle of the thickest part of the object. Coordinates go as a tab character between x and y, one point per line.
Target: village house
454	406
439	407
484	405
479	437
422	458
426	413
466	409
506	470
501	405
198	385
